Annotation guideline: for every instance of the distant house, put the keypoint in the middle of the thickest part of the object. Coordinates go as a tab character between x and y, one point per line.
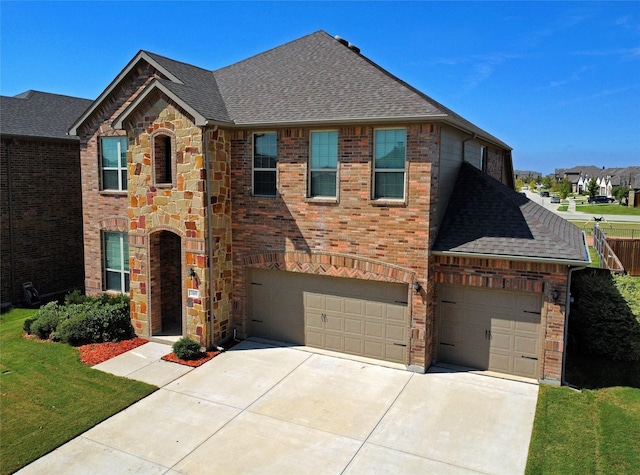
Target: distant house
606	178
40	198
307	195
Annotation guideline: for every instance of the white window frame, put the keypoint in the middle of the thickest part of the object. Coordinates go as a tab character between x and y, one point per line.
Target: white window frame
123	259
255	169
311	170
119	169
389	170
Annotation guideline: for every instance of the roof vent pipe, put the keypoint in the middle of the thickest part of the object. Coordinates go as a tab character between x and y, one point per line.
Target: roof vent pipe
341	40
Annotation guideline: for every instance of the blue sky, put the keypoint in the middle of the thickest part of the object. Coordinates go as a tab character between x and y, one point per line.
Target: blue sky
559	82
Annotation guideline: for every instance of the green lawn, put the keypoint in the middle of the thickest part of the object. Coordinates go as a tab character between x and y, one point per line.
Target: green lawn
617	209
49	396
589	432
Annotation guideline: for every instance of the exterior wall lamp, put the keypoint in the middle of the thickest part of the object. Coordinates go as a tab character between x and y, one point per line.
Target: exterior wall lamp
555	295
416	286
194	278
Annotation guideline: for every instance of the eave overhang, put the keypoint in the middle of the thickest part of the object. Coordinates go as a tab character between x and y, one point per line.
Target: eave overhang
442	118
504	257
156	85
141	56
540	260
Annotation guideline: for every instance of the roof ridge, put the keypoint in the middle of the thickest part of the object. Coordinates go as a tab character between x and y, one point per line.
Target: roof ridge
262	53
31	92
156	55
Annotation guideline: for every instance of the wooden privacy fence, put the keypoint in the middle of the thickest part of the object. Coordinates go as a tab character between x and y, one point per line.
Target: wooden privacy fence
608	258
619	254
628	251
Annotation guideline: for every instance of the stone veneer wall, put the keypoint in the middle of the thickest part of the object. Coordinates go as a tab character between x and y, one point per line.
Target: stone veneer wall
218	145
178	208
312	235
521	276
46	216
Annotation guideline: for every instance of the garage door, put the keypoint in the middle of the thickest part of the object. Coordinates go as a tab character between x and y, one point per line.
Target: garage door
490	329
357	317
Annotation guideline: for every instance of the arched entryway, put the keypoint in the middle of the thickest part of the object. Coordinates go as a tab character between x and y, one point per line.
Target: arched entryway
165	258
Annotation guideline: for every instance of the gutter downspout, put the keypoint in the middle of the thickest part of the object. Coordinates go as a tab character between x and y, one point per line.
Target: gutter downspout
464	146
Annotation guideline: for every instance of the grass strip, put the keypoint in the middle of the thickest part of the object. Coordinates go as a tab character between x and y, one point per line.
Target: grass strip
49	396
590	432
616	209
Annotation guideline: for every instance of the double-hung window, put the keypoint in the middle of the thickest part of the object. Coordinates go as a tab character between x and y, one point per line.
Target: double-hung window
389	163
116	261
265	156
113	163
323	166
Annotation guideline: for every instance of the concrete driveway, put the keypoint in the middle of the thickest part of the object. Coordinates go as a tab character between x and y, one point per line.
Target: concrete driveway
277	410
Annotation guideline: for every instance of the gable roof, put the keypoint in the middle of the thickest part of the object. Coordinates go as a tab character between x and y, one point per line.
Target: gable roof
315	79
487	218
40	114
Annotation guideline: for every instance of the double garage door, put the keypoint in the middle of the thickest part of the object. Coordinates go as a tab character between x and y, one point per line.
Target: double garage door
358	317
490	329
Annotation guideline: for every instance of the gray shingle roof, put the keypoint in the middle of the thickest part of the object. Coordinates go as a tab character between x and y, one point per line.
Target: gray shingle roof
40	114
314	79
199	88
486	217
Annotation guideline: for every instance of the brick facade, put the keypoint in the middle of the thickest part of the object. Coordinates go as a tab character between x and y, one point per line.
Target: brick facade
337	237
518	276
41	238
196	230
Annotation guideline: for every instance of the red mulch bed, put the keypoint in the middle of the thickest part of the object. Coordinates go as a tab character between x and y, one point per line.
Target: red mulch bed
95	353
193	363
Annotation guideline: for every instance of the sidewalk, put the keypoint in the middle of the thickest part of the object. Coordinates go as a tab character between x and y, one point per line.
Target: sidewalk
144	363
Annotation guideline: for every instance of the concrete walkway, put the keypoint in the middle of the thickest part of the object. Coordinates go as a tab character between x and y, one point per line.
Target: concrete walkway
269	409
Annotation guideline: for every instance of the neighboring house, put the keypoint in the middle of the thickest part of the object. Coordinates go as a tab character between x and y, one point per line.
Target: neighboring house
606	178
40	199
296	196
579	176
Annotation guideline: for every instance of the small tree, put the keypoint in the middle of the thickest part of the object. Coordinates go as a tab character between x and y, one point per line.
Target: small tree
564	188
621	193
547	182
593	188
519	183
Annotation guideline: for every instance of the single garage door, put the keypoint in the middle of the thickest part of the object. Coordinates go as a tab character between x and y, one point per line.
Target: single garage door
490	329
358	317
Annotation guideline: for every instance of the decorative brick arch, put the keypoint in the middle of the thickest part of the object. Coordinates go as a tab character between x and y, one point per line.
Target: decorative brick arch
164	227
330	264
114	223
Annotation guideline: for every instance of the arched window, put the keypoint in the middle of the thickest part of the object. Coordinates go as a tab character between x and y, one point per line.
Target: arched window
163	159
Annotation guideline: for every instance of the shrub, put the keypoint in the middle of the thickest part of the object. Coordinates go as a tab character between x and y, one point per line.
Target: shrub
26	325
187	349
74	297
629	288
46	320
77	297
601	319
90	323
